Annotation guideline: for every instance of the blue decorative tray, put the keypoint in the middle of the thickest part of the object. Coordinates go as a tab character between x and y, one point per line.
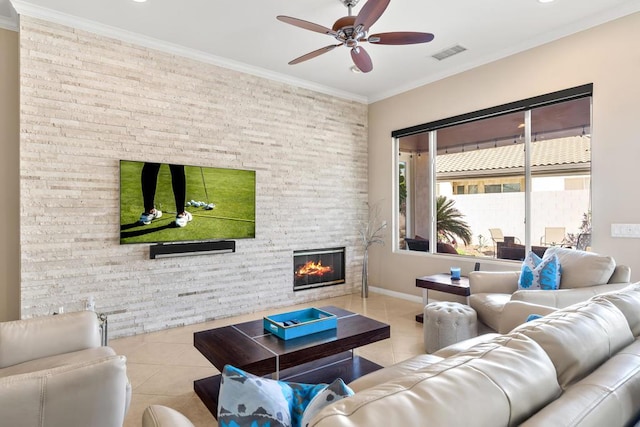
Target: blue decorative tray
298	323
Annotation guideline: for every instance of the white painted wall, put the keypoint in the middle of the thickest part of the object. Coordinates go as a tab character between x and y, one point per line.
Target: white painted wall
9	160
607	56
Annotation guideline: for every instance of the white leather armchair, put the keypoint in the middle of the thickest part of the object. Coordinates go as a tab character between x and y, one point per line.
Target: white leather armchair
53	373
584	274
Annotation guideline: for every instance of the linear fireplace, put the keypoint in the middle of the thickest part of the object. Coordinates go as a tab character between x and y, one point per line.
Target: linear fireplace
318	267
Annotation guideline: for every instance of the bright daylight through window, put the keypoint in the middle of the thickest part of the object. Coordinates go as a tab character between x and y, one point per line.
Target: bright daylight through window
498	182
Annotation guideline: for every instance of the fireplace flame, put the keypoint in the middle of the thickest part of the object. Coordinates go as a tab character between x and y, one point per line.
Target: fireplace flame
313	269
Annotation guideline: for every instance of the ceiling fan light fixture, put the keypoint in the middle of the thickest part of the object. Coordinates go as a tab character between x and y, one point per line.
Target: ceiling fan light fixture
349	3
352	30
355	69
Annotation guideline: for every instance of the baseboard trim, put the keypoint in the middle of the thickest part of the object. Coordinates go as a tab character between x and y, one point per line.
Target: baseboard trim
400	295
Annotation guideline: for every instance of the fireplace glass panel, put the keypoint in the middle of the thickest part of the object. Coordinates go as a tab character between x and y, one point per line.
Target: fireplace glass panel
318	267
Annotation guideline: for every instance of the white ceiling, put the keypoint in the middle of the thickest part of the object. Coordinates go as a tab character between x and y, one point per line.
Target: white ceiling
246	35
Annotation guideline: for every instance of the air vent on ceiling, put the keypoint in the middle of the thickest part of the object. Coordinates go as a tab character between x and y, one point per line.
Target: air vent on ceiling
449	52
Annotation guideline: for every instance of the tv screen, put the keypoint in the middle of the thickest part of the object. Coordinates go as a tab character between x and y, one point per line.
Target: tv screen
161	203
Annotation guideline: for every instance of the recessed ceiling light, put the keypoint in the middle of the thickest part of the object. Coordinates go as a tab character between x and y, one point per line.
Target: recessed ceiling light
139	1
545	1
355	69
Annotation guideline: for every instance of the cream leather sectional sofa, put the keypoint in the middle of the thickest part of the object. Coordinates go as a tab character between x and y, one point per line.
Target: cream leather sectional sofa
55	373
577	366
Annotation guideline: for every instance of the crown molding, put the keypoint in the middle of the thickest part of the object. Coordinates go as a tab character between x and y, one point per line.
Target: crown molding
9	23
12	22
27	9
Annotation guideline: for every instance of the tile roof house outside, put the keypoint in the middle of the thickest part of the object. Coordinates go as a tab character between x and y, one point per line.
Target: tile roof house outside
548	156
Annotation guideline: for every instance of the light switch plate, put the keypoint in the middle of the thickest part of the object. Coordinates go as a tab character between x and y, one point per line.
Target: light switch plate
625	230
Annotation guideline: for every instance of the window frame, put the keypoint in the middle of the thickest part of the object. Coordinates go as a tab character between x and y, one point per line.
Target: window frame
431	128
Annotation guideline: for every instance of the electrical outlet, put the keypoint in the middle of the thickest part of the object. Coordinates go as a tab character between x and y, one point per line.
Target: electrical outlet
631	231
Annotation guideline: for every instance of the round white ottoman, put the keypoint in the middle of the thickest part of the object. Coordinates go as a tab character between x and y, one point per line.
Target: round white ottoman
447	323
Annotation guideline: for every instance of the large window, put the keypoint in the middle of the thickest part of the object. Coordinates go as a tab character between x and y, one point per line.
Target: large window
498	182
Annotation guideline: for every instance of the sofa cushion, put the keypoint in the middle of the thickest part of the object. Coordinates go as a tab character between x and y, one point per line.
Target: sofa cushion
392	372
489	307
515	313
538	273
609	396
57	361
45	336
90	393
459	347
628	302
502	372
581	269
579	338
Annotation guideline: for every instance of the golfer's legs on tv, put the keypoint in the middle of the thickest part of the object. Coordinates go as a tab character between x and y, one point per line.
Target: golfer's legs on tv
149	181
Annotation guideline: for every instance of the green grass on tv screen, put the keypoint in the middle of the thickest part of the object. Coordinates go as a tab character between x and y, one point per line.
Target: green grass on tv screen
231	191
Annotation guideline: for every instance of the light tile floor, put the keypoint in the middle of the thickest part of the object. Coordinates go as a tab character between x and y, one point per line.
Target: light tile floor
163	365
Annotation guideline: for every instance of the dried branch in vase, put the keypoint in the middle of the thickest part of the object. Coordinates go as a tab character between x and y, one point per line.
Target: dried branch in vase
373	231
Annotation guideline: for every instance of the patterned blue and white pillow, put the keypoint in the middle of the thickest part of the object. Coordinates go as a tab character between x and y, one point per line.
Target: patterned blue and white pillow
332	393
246	400
540	273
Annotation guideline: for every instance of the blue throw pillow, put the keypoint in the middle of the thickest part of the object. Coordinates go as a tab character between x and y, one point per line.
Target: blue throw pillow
540	273
246	400
533	317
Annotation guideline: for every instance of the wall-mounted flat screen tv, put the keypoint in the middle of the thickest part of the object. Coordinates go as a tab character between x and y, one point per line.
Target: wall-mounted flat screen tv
162	203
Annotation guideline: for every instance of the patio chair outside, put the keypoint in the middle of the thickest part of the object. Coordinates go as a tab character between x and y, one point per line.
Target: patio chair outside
496	236
553	236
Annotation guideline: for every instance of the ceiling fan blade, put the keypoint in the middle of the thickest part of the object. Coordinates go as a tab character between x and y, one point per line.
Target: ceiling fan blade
314	54
370	13
400	37
362	59
305	24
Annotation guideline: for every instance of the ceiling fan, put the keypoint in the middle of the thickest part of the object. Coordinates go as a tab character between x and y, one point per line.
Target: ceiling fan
351	31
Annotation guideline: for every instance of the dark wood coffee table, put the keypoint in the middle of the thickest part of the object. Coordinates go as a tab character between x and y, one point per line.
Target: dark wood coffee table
317	358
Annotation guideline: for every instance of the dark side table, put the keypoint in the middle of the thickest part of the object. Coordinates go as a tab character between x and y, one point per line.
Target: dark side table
441	282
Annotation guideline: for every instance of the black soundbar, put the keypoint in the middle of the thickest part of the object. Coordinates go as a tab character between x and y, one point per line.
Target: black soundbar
166	250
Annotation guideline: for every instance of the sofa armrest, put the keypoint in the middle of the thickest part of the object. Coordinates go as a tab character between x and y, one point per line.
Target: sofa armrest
515	313
493	282
564	297
162	416
621	274
30	339
92	393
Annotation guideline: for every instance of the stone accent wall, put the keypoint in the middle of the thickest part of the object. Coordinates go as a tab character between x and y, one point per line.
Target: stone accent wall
88	101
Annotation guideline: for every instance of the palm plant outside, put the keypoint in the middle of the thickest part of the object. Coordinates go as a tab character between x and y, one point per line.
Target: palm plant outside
450	222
